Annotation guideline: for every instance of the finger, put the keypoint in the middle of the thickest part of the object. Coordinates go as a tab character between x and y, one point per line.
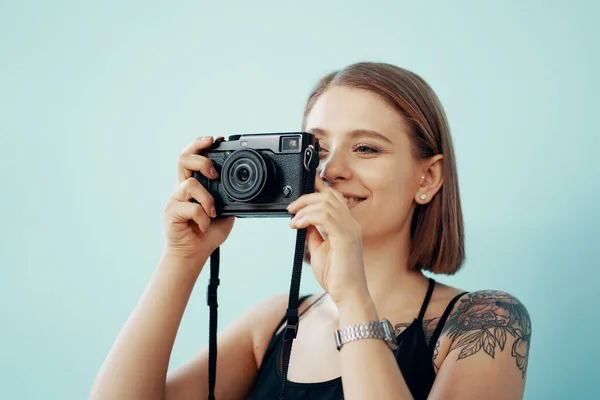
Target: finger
320	207
194	147
316	215
322	187
313	238
192	189
314	198
321	221
195	162
177	212
198	145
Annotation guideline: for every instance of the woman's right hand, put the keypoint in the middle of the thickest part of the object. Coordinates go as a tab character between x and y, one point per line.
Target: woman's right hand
190	228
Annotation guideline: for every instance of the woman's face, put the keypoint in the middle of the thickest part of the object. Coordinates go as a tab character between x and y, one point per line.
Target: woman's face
366	155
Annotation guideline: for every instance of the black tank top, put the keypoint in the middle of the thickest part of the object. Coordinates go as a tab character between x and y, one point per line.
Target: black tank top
414	356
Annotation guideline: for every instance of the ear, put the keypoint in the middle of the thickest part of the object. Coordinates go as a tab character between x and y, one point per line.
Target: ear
431	178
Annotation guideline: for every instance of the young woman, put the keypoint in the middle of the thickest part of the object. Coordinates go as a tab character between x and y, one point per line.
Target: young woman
387	204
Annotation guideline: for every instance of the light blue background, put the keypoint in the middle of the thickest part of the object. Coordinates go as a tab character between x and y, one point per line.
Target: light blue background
98	98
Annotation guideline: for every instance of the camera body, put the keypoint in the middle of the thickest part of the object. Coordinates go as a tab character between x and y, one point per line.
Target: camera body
261	173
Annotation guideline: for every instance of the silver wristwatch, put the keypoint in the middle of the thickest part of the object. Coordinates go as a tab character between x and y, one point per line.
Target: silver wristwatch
370	330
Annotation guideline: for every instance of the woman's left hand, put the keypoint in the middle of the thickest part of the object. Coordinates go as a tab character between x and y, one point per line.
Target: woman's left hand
334	239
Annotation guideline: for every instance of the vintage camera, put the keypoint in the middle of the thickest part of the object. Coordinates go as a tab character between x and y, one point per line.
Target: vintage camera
261	173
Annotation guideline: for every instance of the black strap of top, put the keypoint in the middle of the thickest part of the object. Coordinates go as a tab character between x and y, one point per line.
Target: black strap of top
442	322
427	299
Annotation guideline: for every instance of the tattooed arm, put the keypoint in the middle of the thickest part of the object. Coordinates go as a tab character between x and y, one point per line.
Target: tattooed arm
489	334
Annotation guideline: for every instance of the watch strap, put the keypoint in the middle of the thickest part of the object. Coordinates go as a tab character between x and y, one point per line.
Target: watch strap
368	330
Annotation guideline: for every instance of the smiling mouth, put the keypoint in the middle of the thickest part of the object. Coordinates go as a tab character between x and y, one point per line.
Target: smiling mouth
353	201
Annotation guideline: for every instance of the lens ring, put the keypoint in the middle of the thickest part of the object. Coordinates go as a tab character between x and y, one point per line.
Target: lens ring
242	175
244	163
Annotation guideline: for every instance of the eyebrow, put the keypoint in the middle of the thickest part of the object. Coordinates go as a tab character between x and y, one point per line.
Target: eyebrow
354	134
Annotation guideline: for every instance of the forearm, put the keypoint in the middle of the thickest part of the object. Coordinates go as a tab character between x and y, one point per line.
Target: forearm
369	368
137	364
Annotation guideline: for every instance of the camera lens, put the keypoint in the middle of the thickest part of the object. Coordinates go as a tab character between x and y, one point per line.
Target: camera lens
245	175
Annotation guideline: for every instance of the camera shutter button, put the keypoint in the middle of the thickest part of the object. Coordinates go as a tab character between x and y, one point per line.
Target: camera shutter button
287	191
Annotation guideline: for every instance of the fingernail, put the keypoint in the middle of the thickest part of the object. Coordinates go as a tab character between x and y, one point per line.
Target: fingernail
213	212
206	137
213	172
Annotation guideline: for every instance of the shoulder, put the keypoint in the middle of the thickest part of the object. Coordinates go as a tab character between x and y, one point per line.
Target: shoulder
271	310
263	318
487	322
486	340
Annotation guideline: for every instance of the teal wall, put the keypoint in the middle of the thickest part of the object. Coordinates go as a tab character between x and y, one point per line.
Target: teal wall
98	98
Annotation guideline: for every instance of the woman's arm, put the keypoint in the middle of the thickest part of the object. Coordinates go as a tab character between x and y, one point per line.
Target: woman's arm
241	347
369	368
136	366
137	363
489	334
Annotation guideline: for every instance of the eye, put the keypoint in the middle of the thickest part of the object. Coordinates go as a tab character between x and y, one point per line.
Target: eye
322	150
363	148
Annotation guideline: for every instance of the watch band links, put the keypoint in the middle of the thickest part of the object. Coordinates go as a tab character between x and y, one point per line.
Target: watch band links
367	330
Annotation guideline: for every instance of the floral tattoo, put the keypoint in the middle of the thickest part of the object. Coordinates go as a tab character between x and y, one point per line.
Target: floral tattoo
429	326
482	321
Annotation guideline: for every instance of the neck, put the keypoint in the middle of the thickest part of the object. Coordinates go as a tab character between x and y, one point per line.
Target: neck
390	281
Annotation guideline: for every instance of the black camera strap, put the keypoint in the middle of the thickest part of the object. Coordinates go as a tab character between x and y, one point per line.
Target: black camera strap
292	319
311	161
211	300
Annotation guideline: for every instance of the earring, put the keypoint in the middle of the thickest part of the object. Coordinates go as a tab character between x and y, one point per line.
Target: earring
423	196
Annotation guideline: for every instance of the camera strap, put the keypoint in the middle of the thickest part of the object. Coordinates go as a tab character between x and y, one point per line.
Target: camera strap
311	162
211	300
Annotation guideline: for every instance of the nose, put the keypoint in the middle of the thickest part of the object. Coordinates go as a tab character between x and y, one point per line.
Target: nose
335	167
